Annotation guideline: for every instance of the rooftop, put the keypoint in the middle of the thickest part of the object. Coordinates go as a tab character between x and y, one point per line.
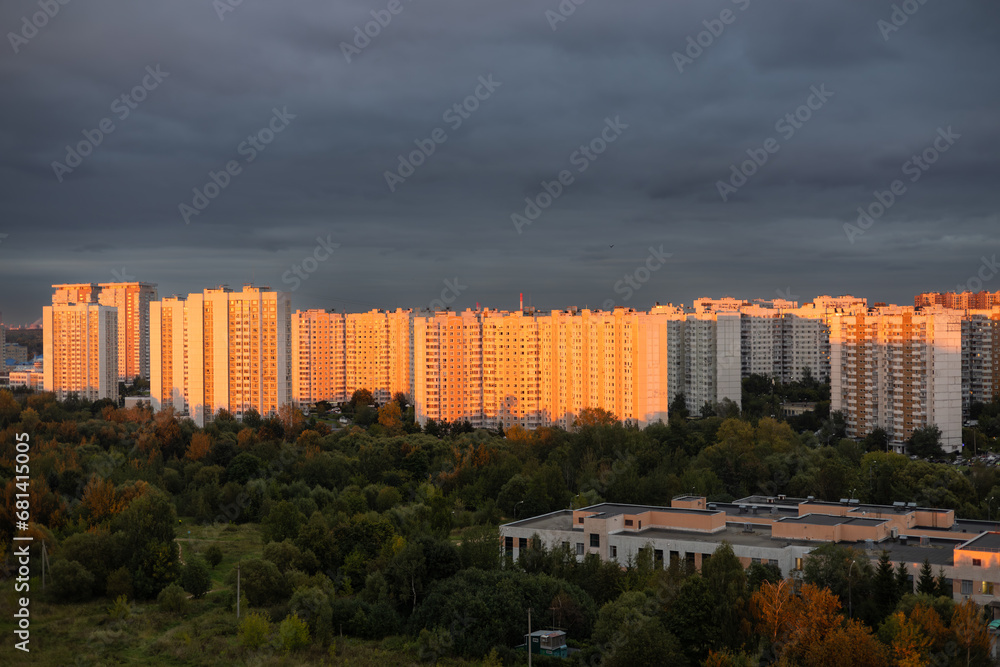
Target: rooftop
613	509
985	542
832	520
734	534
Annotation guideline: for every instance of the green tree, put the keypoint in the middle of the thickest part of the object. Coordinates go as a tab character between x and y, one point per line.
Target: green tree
691	619
943	587
260	581
925	442
144	532
195	578
903	583
119	583
727	582
884	588
213	555
254	630
172	600
293	633
71	581
926	583
282	522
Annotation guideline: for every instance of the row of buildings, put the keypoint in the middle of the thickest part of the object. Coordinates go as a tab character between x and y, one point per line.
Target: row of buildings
891	367
775	530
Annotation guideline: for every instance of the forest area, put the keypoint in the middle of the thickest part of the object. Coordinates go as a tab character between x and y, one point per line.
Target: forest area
377	543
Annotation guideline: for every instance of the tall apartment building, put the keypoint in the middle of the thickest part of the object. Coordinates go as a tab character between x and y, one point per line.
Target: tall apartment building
80	350
221	350
962	300
980	357
334	355
377	353
318	358
899	369
132	301
449	369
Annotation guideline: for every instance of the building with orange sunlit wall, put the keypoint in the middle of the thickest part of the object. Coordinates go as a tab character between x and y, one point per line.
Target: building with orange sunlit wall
132	301
221	350
318	358
378	353
448	367
962	300
80	350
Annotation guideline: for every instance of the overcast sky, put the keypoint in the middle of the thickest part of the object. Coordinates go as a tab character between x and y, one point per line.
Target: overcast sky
117	213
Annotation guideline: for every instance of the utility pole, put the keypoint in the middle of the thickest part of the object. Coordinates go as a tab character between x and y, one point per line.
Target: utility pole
529	636
237	591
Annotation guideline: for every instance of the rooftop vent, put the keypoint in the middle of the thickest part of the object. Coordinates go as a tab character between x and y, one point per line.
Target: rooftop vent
743	509
844	501
854	501
811	498
925	541
912	506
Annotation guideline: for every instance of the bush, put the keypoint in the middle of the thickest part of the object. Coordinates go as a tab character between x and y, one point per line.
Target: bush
213	555
172	600
254	630
119	583
261	581
120	610
71	582
293	633
195	578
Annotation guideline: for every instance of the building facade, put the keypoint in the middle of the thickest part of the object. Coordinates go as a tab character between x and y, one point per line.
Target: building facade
132	301
80	350
221	350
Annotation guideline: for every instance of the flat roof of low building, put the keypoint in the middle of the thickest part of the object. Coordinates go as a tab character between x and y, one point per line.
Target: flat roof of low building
985	542
935	554
735	534
559	520
614	509
832	520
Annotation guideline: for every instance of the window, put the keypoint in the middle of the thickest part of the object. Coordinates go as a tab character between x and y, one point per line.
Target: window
628	522
987	588
977	562
522	543
755	561
595	540
580	520
798	563
613	551
579	548
508	544
966	587
772	561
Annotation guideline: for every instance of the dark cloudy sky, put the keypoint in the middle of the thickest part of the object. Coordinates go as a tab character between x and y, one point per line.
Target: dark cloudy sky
117	213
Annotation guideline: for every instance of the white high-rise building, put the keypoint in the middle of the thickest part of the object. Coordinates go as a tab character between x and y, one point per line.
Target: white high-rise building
898	369
221	350
132	301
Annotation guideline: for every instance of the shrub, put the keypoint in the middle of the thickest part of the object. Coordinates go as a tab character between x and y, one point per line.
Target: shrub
120	610
172	599
195	578
254	630
119	583
213	555
293	633
71	582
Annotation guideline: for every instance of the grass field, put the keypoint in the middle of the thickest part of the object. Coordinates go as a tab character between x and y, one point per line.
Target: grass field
85	635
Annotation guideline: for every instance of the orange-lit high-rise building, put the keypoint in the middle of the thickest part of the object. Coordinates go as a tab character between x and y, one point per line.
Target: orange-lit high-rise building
221	350
318	361
378	353
80	350
132	301
448	368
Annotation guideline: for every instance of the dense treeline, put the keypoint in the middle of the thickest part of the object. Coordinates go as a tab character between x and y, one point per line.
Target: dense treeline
388	530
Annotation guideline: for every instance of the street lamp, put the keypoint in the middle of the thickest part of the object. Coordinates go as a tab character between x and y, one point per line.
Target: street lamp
850	596
515	507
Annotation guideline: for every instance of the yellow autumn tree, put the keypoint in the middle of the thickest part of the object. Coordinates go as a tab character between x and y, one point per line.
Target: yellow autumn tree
201	445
